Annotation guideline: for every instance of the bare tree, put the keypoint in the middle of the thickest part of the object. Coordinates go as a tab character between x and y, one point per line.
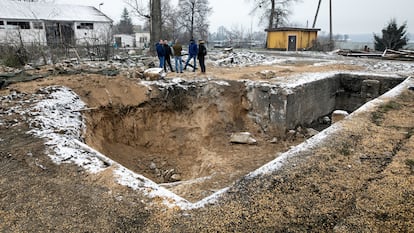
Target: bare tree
149	10
193	17
275	12
169	22
156	22
140	8
237	32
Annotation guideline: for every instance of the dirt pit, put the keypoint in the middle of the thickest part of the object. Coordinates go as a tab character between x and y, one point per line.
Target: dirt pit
180	137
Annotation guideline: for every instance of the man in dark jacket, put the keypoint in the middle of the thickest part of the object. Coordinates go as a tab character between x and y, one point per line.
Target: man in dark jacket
192	54
160	53
168	54
202	52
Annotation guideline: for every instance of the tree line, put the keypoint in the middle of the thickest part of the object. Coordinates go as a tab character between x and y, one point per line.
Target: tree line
189	19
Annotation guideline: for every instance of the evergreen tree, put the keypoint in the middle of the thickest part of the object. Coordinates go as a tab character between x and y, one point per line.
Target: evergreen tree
125	25
393	37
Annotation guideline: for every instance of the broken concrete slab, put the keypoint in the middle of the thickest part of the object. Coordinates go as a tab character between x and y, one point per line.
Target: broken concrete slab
242	138
154	74
339	115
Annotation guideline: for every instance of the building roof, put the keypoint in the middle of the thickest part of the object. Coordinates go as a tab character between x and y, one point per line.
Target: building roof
281	29
18	10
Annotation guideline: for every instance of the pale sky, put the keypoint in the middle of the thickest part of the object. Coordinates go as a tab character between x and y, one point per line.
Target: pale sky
349	16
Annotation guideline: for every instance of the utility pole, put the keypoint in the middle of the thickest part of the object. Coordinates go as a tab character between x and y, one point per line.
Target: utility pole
330	25
316	15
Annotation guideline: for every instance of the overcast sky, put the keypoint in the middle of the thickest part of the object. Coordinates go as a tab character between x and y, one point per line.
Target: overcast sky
349	16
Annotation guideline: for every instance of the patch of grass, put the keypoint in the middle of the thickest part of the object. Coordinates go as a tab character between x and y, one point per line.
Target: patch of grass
345	149
11	60
378	116
392	105
410	164
13	57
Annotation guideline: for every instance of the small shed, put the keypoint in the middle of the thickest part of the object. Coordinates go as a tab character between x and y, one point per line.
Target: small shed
124	40
291	38
142	39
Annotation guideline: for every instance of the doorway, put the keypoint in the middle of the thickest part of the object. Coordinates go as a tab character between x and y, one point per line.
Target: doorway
59	33
291	43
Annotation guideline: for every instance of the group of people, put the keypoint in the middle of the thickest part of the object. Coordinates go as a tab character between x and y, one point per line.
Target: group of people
165	51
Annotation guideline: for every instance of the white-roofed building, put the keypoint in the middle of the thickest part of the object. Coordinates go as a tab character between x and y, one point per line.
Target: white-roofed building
52	24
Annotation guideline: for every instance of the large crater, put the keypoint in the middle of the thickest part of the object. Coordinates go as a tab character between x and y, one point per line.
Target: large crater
179	136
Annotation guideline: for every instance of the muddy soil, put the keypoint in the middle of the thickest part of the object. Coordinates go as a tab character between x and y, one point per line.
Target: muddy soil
359	181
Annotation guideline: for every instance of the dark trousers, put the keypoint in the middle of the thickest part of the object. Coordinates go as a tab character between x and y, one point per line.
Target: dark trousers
168	61
202	64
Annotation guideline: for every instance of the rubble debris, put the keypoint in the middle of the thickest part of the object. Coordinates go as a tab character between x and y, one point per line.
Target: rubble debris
267	74
228	50
358	53
339	115
17	76
152	74
171	175
232	59
175	177
290	135
242	138
325	120
274	140
389	54
405	55
310	132
152	166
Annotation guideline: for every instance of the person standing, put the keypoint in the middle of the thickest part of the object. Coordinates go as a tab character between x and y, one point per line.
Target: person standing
160	53
168	54
192	54
178	48
202	52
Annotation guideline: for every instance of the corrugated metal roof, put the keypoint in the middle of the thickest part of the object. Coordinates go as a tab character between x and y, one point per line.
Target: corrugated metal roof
293	29
48	11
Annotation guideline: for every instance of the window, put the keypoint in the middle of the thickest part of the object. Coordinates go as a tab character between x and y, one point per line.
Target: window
85	26
142	39
21	25
1	23
37	25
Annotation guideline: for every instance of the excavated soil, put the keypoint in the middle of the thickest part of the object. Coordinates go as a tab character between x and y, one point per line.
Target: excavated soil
360	180
182	142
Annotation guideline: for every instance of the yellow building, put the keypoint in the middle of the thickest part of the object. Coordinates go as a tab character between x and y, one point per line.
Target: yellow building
291	39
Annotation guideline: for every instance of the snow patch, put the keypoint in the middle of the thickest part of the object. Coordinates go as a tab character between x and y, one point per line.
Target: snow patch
56	118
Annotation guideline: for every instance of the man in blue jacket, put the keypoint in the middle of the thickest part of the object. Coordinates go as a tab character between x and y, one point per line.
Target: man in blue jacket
160	53
192	54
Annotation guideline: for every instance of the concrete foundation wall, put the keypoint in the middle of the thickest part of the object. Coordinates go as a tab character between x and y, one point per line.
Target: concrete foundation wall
355	90
277	109
273	108
310	101
267	106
